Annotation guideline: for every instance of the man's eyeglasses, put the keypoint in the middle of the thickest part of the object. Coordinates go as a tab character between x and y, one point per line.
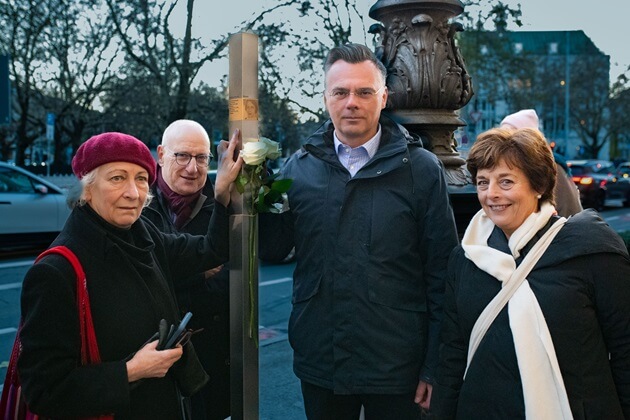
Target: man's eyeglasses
364	94
184	159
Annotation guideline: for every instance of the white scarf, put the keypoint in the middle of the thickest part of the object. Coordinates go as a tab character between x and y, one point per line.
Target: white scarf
543	388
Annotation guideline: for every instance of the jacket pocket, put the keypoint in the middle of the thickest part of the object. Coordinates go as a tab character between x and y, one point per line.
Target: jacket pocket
305	288
396	293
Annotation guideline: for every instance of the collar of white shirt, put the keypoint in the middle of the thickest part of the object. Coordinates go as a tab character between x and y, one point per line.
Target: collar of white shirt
343	151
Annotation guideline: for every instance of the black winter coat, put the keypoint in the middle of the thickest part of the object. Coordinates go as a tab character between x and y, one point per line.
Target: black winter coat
209	302
582	284
130	277
371	255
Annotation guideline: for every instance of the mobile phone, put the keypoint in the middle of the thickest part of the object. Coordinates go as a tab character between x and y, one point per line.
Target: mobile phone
172	339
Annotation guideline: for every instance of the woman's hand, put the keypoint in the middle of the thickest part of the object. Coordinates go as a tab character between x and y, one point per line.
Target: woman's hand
230	163
148	362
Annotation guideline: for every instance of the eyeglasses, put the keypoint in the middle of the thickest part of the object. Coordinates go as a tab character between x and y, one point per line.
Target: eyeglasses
184	159
184	338
364	94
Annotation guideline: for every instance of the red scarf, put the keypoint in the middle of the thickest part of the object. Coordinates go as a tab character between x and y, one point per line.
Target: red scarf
181	205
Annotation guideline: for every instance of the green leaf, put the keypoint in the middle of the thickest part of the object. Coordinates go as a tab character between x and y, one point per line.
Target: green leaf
273	196
282	185
270	178
240	183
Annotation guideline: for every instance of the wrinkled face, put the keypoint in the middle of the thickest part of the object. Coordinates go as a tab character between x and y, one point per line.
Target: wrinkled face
184	179
506	196
118	193
355	116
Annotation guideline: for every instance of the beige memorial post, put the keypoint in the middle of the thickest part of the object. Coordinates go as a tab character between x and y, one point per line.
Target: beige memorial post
243	94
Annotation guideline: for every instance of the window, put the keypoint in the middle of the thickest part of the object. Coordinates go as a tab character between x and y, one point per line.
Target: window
15	182
518	47
553	48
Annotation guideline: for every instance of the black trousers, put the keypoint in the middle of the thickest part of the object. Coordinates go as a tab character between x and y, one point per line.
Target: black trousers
322	404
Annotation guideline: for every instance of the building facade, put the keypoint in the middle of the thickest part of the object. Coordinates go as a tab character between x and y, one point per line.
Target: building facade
560	74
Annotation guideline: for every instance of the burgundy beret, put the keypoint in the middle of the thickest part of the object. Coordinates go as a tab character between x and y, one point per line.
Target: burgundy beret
112	147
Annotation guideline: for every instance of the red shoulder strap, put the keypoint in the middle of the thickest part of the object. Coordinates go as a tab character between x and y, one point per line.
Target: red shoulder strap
89	346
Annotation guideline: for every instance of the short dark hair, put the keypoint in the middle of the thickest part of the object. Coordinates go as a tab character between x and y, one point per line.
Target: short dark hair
525	149
354	54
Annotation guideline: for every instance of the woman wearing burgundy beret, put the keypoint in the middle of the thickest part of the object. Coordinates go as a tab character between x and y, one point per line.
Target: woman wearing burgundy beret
130	268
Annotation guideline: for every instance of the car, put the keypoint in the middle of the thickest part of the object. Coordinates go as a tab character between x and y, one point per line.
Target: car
32	210
599	183
623	170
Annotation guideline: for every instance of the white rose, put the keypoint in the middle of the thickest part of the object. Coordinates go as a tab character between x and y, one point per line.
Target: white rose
273	148
254	152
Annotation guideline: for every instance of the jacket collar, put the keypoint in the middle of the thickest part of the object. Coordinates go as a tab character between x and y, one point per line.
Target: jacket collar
100	238
394	140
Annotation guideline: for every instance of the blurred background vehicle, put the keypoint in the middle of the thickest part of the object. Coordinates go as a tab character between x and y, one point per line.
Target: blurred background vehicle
32	210
599	183
623	170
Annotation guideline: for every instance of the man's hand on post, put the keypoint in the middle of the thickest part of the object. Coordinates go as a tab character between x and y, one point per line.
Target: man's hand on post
230	163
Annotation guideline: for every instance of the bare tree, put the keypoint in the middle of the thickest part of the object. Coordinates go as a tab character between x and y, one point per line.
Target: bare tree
25	24
589	105
144	29
82	68
619	111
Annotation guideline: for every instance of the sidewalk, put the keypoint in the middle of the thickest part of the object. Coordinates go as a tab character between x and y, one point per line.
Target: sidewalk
280	394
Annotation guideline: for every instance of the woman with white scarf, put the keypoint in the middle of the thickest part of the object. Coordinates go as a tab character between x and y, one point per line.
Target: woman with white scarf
537	307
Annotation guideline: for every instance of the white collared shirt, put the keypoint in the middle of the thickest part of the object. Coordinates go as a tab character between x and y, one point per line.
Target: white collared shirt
355	159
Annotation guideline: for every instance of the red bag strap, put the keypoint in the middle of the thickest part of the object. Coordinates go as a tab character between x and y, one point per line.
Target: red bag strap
89	346
11	380
12	403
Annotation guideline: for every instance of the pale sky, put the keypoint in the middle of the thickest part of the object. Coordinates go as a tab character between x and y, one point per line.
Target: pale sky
604	21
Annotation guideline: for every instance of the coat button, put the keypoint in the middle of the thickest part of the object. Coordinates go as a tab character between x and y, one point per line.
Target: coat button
379	172
405	160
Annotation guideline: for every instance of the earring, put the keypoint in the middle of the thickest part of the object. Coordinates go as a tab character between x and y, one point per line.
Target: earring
539	196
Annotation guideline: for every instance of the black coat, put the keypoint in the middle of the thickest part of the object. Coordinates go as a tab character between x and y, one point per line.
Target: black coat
582	284
130	277
209	302
371	255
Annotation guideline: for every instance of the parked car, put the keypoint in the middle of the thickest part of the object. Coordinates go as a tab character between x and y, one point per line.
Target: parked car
32	210
599	183
623	170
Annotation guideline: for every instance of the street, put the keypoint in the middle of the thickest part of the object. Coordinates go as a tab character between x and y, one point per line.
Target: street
280	396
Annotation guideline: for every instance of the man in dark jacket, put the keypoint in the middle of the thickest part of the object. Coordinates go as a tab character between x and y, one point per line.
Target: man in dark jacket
183	203
372	227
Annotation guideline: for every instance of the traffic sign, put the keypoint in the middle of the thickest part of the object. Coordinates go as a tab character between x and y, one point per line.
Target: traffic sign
50	126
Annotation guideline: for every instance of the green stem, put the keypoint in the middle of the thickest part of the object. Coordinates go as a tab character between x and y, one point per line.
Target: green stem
253	194
253	329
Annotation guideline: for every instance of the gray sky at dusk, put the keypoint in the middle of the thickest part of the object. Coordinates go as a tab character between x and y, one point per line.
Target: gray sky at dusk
603	21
